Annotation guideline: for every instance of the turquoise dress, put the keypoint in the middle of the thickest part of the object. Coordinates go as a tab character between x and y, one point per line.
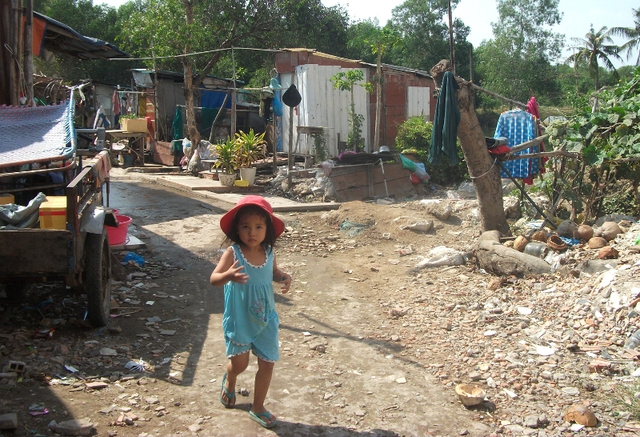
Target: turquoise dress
250	320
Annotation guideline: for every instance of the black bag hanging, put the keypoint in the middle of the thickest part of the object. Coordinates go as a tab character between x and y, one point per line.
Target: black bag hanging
291	97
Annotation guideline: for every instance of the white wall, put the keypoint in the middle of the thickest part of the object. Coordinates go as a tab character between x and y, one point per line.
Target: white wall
321	106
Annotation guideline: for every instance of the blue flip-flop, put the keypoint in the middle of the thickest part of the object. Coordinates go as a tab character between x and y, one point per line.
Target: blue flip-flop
260	418
231	396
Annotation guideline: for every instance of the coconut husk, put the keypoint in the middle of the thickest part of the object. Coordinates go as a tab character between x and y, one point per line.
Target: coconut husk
580	415
520	243
540	235
583	233
609	230
597	242
608	252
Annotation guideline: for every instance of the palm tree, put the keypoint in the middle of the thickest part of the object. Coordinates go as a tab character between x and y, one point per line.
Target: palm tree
596	46
632	34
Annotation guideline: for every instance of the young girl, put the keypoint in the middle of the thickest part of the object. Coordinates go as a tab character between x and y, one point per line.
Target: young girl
250	321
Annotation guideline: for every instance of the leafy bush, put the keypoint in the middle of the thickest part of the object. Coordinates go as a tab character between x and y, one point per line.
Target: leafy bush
414	137
604	147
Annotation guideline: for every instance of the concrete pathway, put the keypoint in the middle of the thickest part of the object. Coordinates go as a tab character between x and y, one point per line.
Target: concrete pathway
230	195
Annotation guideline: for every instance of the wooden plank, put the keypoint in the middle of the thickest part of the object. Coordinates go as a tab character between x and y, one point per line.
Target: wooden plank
359	182
31	251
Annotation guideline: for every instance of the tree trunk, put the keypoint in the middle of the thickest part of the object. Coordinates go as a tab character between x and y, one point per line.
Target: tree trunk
483	170
484	173
376	134
189	108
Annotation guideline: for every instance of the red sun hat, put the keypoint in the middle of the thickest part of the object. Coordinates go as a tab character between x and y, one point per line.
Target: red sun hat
227	220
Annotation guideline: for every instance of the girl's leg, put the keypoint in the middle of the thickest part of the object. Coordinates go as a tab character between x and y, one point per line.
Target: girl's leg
235	367
263	380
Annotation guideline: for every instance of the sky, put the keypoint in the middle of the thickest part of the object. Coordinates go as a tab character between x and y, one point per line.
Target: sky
578	16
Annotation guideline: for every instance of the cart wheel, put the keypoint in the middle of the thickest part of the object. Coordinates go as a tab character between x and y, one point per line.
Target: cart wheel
16	290
97	277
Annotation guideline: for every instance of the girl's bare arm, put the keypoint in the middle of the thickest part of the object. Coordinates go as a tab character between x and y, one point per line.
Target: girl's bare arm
281	277
228	270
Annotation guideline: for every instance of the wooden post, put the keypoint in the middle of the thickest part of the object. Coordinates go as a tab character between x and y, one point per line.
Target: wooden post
28	53
290	156
233	97
274	131
452	52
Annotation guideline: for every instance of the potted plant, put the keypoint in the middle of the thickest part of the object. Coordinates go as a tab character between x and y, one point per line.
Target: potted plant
226	160
133	123
249	148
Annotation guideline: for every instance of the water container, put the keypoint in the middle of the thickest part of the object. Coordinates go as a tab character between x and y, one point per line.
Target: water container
536	248
118	235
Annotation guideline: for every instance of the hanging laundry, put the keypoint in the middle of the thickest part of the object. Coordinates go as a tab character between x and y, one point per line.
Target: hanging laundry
532	108
445	122
177	124
115	107
518	127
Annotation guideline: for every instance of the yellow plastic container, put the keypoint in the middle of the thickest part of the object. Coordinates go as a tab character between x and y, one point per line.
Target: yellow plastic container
241	183
6	198
53	213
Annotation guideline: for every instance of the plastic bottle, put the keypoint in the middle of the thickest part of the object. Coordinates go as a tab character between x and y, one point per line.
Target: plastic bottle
633	341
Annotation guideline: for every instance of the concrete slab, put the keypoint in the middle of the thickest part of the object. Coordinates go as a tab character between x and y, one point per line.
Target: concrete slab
230	195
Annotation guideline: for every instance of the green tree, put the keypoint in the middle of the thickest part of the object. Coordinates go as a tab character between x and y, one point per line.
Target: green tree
197	33
346	81
308	23
380	41
423	27
595	47
97	21
632	34
517	62
359	34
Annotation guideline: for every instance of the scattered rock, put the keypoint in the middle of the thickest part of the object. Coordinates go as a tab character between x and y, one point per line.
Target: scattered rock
580	415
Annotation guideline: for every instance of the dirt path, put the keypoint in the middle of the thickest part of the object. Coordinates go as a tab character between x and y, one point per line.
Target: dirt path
347	365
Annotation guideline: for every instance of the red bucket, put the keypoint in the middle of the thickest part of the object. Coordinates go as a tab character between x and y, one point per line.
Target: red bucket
118	235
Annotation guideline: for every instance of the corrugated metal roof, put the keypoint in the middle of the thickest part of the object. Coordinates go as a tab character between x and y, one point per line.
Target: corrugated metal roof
415	71
60	38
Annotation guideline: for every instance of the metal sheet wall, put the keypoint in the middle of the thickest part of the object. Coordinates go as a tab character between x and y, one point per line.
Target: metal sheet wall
419	102
321	106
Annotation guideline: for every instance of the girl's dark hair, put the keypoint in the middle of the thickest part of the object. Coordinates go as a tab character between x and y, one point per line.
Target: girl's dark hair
269	238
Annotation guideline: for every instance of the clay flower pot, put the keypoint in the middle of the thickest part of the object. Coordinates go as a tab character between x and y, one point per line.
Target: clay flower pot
554	242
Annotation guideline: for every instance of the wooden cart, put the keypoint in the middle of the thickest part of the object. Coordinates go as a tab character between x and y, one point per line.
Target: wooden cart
79	254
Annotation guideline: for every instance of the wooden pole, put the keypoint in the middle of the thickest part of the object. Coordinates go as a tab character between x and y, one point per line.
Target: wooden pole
28	53
498	96
451	47
290	157
233	97
274	130
224	102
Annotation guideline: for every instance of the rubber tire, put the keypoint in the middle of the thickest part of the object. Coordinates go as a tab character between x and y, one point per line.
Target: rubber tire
16	290
97	278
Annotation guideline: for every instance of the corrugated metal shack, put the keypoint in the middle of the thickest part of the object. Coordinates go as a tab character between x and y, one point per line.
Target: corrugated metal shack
406	93
163	93
324	110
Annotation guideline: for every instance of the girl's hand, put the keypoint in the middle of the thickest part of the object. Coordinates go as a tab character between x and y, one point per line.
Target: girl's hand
236	274
285	279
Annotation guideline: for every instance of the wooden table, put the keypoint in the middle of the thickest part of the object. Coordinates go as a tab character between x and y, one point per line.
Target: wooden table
135	140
